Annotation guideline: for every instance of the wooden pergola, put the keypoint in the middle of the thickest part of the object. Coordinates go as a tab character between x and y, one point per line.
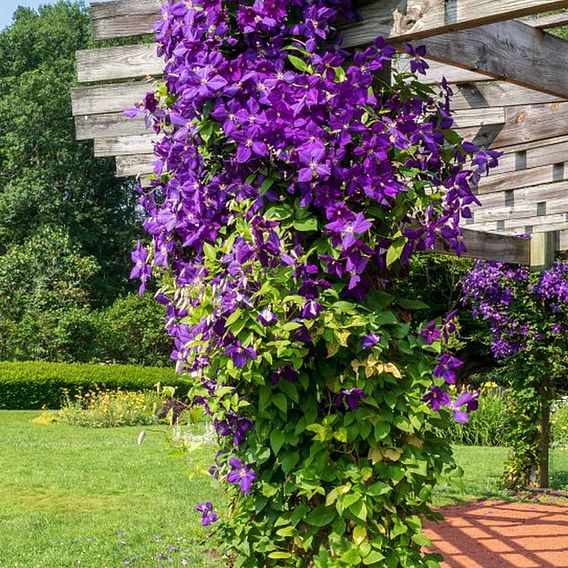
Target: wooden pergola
510	79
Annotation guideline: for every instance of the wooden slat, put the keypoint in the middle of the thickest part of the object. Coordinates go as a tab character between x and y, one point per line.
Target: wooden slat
111	63
132	166
523	124
550	21
524	178
495	94
510	51
108	98
526	195
478	118
124	145
403	20
540	224
123	19
552	151
438	71
108	125
493	247
520	211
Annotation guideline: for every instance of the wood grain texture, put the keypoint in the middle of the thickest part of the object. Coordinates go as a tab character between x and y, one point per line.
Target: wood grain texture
492	247
115	97
522	211
547	22
108	125
539	224
552	151
525	124
124	145
396	19
509	51
403	20
526	195
477	118
112	63
438	71
134	166
489	94
524	178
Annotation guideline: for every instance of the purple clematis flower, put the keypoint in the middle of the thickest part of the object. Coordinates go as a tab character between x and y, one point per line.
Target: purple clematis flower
266	317
430	333
311	310
470	401
141	269
370	340
240	355
351	397
446	367
241	475
207	514
437	398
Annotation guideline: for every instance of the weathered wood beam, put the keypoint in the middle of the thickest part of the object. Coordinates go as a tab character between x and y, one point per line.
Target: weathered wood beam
124	145
133	166
510	51
489	94
112	63
522	125
108	125
524	178
548	22
402	20
123	18
437	71
396	19
108	98
488	246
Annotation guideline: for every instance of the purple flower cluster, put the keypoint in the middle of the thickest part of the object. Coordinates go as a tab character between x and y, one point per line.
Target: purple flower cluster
521	309
207	514
287	149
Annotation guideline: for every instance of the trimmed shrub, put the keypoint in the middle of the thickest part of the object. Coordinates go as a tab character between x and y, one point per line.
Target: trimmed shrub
34	385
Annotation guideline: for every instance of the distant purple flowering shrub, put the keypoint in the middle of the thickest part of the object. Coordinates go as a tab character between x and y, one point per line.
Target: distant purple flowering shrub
528	315
291	187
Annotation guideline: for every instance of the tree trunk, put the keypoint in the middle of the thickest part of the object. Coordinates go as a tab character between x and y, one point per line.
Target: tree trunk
544	481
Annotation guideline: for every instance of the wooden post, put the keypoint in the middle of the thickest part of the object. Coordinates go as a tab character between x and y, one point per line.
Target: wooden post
544	247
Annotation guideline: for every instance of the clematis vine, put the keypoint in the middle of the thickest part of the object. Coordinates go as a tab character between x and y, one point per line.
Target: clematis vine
291	188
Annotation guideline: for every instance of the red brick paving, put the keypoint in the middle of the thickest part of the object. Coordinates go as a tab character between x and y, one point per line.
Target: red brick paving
499	534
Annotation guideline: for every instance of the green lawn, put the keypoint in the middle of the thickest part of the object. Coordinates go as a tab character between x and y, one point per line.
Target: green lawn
77	497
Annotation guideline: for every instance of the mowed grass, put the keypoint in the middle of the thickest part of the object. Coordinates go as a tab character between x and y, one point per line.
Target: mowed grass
73	496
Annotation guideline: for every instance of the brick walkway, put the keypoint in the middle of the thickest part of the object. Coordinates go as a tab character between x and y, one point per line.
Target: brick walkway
496	534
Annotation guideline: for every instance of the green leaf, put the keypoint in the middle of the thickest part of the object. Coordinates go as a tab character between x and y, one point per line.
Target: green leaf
412	304
395	250
277	439
378	488
281	402
298	63
210	252
321	516
421	540
373	558
310	224
280	555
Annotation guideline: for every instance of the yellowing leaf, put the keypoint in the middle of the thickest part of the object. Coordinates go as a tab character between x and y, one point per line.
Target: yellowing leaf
375	455
359	534
392	454
342	337
332	349
415	441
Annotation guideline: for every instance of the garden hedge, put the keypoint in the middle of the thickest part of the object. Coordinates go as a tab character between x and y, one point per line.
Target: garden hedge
33	385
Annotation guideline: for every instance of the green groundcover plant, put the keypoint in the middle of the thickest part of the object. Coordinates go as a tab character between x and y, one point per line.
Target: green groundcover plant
292	186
